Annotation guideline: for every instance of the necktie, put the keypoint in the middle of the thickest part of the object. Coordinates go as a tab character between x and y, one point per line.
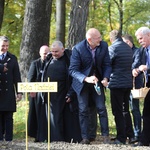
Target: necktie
148	57
2	56
147	62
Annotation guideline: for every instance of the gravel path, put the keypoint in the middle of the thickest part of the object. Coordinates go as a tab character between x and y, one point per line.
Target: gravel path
96	145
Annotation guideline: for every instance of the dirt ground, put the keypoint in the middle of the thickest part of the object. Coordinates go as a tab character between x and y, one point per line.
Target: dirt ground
96	145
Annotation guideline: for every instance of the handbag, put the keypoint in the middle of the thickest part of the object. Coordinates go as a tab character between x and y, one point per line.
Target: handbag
142	92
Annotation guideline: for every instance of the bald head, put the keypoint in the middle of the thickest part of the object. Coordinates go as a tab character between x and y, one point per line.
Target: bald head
44	50
93	37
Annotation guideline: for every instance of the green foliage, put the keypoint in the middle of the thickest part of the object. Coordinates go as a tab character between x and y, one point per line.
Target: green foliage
13	22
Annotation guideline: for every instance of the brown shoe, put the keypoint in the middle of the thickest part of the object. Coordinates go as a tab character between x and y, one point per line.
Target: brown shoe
85	141
106	139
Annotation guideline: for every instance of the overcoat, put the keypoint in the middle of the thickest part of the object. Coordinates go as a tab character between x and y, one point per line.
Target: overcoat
34	75
8	83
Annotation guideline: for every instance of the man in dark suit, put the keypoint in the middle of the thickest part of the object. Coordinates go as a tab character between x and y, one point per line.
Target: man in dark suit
34	75
90	65
143	37
8	90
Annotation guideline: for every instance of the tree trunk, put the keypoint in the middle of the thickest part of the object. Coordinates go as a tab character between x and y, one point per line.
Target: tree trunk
36	30
60	20
78	19
2	2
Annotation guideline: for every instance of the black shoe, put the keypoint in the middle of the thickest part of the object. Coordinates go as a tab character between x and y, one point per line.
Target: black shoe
36	140
92	139
85	141
117	142
133	140
113	138
139	144
106	140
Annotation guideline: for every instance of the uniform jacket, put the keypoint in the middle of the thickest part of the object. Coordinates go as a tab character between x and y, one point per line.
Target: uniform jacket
81	63
121	60
1	68
8	83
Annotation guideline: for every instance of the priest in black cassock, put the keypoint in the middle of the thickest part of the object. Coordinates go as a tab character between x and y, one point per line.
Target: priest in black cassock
64	121
35	100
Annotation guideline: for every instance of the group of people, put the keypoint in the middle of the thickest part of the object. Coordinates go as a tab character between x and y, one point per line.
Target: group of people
82	74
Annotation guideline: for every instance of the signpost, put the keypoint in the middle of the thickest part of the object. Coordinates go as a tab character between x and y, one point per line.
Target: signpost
48	87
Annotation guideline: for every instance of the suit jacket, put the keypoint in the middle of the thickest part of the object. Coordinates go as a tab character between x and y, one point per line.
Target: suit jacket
8	83
81	63
137	61
143	58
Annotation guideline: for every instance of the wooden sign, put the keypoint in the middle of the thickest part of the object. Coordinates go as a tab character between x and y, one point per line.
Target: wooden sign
37	87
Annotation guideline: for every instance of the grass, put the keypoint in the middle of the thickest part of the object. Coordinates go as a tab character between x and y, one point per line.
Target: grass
22	107
20	120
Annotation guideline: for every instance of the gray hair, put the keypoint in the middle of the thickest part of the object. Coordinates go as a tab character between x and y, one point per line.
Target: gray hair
143	30
57	44
114	34
4	38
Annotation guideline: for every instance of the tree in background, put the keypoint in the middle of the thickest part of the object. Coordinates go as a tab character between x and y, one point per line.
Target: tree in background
1	12
60	20
123	15
78	20
36	29
12	23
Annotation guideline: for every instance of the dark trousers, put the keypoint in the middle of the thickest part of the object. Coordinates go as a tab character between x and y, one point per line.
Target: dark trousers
92	122
145	136
88	93
120	110
135	109
6	125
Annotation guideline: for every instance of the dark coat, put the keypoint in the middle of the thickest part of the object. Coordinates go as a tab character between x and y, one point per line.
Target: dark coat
143	58
34	75
81	63
8	83
34	70
137	61
1	68
64	116
121	61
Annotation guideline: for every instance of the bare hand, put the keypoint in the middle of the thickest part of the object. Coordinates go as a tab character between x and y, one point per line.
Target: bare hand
5	69
68	99
18	97
135	72
104	82
91	79
32	94
142	67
